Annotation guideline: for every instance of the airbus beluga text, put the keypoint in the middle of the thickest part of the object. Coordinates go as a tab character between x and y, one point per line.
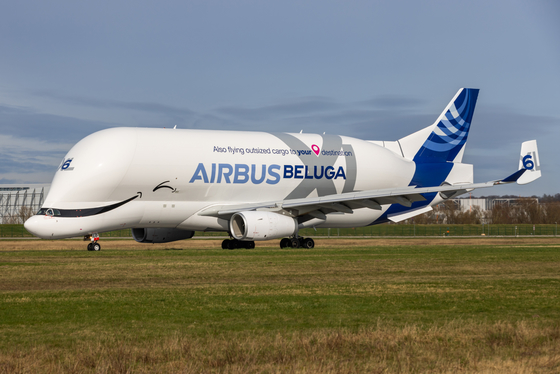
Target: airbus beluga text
165	184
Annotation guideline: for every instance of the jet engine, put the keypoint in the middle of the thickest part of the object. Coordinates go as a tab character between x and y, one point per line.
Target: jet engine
160	235
259	225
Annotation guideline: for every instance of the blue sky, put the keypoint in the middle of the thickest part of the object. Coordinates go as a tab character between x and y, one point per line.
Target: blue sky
375	70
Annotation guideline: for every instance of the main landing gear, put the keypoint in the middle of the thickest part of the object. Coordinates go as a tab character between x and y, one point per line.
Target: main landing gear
284	243
234	244
94	245
297	243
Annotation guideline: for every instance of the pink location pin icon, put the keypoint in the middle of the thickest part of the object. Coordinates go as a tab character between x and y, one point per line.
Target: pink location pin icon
315	149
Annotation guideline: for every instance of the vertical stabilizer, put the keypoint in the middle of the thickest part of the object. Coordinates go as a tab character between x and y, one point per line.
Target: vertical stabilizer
443	141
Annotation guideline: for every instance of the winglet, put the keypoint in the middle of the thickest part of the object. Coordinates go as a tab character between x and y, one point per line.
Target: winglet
529	165
529	161
512	178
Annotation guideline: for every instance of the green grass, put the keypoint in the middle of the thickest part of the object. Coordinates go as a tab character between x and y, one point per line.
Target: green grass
287	290
59	300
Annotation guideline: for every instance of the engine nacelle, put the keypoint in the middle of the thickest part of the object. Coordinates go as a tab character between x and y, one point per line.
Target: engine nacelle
160	235
258	225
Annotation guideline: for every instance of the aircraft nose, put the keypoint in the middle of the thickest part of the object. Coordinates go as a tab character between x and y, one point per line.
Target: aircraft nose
34	226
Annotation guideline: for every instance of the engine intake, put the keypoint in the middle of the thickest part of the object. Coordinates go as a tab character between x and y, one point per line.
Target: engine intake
258	225
160	235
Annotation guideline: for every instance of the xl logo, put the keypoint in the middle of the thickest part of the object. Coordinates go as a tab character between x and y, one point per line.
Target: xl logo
66	165
531	161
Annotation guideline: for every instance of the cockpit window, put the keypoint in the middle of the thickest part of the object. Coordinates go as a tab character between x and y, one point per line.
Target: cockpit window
48	212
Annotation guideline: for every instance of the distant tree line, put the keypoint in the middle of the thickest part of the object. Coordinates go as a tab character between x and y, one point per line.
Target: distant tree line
525	210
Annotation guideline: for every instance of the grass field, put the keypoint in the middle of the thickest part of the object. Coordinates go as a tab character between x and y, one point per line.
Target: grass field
348	306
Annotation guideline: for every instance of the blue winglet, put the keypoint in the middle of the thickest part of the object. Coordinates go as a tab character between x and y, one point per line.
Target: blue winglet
514	177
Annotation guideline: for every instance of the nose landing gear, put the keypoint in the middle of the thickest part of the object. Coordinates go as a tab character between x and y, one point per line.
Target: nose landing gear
94	245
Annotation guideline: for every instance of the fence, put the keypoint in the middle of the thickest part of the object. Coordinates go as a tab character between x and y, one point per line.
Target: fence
19	203
436	230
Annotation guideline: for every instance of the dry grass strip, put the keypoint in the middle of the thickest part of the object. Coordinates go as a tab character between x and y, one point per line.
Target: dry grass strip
456	346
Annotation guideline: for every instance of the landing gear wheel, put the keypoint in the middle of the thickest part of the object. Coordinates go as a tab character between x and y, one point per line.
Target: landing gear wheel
229	244
294	242
93	245
308	243
285	243
234	244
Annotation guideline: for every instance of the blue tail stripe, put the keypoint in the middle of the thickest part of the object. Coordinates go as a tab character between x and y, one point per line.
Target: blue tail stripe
463	106
440	148
451	132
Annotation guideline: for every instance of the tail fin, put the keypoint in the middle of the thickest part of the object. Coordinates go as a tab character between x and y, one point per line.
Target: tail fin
443	141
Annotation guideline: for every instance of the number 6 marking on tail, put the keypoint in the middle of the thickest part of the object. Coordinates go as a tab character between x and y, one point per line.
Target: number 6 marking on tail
528	163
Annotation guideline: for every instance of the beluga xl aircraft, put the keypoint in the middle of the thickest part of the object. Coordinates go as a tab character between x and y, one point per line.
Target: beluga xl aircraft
165	184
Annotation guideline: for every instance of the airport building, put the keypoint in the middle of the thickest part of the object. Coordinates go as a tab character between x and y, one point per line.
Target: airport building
20	201
485	204
467	204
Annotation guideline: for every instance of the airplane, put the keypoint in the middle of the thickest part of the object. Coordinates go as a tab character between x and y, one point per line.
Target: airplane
165	184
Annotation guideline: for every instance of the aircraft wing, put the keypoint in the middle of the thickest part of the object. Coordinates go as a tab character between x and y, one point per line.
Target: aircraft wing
347	202
318	207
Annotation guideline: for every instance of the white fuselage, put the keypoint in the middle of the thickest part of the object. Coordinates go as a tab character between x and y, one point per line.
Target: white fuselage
176	174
